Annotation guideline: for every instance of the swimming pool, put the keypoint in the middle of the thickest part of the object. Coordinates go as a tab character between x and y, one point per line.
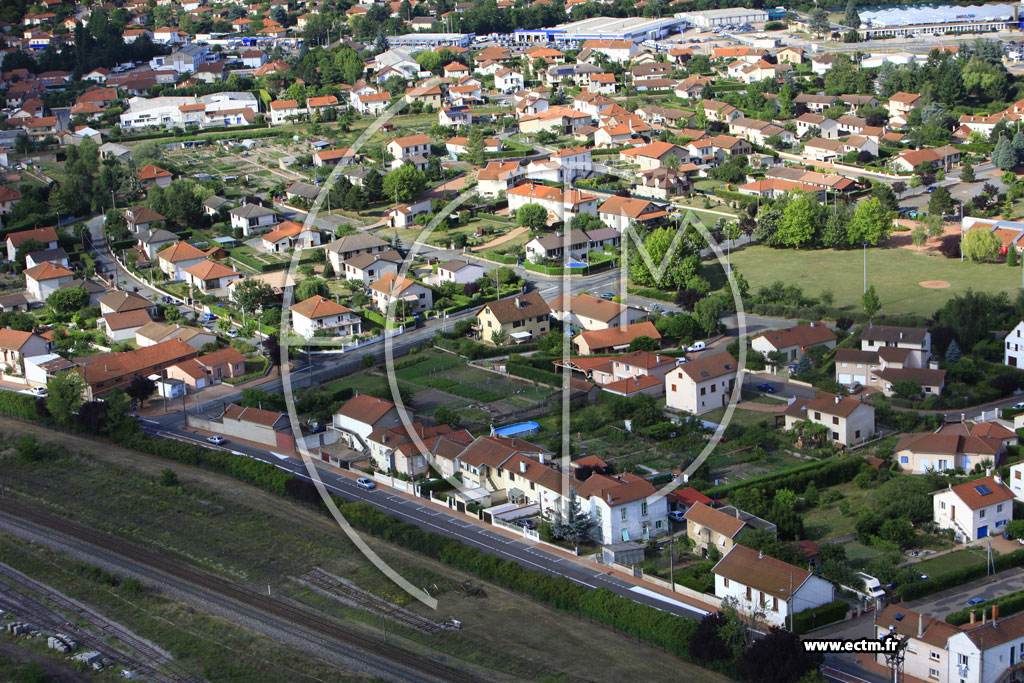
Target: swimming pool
517	429
576	264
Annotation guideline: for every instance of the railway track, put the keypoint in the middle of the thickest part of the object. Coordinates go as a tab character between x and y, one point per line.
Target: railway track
348	593
296	621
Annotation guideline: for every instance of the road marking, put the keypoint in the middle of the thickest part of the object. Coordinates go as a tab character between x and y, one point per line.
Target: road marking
659	596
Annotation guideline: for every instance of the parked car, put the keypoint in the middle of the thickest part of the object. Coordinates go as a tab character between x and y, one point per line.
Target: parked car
216	440
208	317
607	295
855	387
930	189
696	346
766	388
39	391
364	483
1018	406
233	333
974	601
677	516
526	523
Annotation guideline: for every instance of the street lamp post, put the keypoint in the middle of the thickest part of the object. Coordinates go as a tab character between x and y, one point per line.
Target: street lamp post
865	244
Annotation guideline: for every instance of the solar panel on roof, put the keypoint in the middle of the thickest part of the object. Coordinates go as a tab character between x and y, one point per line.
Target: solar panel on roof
983	489
898	616
703	373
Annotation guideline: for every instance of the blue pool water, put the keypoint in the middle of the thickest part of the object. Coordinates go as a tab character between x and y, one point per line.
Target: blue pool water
576	264
518	429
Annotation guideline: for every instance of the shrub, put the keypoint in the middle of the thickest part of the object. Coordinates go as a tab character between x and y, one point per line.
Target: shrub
820	616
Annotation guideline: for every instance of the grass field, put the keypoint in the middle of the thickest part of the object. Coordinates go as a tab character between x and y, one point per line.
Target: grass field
448	373
828	521
951	561
895	273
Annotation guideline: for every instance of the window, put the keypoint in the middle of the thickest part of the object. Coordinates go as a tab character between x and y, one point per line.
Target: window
1016	475
835	420
960	658
933	655
748	592
659	524
942	505
624	511
775	604
981	514
999	508
674	389
817	415
856	434
933	673
643	509
904	460
725	582
713	388
703	390
625	535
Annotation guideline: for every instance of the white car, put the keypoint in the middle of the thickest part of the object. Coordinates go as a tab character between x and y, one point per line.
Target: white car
677	516
39	391
698	346
1018	406
216	440
364	483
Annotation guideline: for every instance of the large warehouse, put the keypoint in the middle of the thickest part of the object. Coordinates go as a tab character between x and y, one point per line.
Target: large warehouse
938	20
732	16
633	29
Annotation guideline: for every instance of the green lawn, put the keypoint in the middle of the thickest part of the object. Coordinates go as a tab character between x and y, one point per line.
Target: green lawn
739	416
952	561
895	273
828	521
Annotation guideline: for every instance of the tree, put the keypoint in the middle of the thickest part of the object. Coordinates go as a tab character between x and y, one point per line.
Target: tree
899	531
404	184
870	302
981	245
29	246
967	172
1003	156
643	343
573	525
373	185
871	222
1011	257
818	21
64	396
707	313
934	224
252	294
799	221
447	416
532	215
700	117
777	657
940	203
312	286
141	388
707	643
899	187
886	195
851	18
499	337
953	353
908	389
475	146
919	236
380	45
63	302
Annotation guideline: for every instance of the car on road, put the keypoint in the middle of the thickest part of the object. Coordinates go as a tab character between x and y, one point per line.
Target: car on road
233	333
1018	406
607	296
166	299
974	601
930	189
208	317
677	516
39	391
696	346
766	388
364	483
216	440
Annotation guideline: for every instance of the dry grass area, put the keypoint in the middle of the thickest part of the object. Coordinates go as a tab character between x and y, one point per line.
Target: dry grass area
255	537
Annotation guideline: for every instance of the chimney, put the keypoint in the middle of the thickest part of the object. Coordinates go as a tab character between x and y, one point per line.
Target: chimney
920	625
997	479
988	471
522	466
901	334
973	617
812	323
608	497
760	554
543	459
838	398
737	513
984	617
995	614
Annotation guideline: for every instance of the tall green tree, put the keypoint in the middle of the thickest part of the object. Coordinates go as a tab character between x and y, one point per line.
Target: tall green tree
532	215
475	146
851	18
981	245
404	184
871	222
65	393
967	172
251	294
800	221
941	202
870	302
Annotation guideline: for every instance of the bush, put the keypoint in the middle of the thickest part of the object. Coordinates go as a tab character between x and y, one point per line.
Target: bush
537	375
1008	604
823	473
820	616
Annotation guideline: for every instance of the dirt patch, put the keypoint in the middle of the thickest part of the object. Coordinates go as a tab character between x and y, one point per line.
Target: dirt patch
510	235
902	239
933	284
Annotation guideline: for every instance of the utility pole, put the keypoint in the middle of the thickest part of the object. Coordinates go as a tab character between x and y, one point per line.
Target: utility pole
865	267
789	602
672	563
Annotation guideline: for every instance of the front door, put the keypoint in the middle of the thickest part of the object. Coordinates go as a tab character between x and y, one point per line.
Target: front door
982	531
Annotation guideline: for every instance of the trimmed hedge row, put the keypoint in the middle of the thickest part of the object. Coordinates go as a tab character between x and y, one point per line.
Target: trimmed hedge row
823	473
820	616
658	628
652	293
530	372
475	350
1008	604
735	196
917	589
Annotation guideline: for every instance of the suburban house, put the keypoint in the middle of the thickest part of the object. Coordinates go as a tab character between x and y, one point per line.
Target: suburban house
367	268
318	314
917	340
561	205
574	245
407	449
209	369
408	148
625	508
139	218
613	339
123	326
498	176
252	218
265	427
902	103
619	212
179	257
516	319
926	656
211	277
16	346
392	288
360	416
1013	354
122	302
152	242
588	312
47	237
107	371
342	249
762	584
956	445
459	272
975	509
43	280
701	385
153	333
291	235
717	528
283	111
793	342
335	157
885	368
848	421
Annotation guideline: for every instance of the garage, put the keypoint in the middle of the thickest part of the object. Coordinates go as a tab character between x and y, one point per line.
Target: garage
846	379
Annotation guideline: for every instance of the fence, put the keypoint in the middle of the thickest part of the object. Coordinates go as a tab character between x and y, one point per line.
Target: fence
709	600
395	482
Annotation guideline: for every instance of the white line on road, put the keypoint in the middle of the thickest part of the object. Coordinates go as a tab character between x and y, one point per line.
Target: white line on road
659	596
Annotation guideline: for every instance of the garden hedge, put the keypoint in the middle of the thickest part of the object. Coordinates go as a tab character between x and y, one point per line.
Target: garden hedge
537	375
823	473
820	616
1008	604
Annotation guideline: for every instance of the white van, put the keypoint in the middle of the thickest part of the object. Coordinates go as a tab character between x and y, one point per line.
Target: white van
697	346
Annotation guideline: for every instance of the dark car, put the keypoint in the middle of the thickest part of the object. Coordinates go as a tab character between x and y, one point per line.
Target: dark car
974	601
526	523
766	388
